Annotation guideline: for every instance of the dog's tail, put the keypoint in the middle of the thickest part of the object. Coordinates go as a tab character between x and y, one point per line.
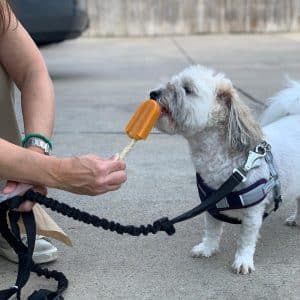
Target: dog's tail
286	102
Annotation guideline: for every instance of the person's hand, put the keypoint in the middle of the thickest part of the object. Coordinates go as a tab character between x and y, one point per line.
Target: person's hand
11	186
91	174
26	206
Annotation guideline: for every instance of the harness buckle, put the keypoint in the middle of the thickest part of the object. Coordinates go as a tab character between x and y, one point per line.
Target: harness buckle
241	172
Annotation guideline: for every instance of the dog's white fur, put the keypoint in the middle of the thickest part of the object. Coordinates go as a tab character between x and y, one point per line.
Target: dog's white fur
204	107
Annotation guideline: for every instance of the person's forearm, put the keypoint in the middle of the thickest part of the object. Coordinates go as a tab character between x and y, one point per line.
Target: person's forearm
38	104
22	165
26	66
89	174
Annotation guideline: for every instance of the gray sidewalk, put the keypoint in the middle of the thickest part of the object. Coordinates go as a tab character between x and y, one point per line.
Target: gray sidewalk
98	85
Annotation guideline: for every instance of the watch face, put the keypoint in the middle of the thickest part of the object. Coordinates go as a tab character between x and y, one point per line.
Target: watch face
36	142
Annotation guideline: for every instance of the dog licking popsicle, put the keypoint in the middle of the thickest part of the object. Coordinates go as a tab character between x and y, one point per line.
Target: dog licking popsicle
203	107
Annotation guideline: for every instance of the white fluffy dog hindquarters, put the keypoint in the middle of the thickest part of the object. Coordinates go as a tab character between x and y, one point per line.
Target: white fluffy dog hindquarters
204	107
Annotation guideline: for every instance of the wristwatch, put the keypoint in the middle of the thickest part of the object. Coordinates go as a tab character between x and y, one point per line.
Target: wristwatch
39	143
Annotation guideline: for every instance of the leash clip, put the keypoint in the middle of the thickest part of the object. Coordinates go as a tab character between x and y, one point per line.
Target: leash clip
263	147
254	156
253	159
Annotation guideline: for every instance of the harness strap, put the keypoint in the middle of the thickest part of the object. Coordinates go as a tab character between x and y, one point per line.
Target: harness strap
275	178
229	185
224	218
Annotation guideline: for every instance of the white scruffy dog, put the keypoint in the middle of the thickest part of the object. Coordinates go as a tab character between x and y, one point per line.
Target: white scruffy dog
204	107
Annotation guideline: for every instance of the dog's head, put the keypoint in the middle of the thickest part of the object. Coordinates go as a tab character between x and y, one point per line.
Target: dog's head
198	98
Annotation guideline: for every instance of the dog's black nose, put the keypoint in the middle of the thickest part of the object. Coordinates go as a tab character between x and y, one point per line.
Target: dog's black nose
155	94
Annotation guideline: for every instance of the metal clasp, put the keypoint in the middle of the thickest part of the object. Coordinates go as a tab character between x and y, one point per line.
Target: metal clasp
253	159
263	147
254	156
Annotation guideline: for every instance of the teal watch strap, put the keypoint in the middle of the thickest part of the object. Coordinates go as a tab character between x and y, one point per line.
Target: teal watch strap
36	135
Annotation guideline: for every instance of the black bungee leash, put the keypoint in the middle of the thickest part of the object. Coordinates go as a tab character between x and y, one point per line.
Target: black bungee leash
26	264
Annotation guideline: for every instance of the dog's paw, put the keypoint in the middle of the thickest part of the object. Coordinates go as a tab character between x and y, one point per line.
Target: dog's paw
243	266
291	221
203	250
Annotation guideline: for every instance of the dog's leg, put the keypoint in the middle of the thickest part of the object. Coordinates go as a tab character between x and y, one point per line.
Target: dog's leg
252	220
211	239
294	220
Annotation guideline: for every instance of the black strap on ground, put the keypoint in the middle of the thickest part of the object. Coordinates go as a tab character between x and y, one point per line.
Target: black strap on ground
25	253
26	264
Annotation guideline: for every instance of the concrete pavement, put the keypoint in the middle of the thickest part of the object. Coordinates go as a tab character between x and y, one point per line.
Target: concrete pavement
99	83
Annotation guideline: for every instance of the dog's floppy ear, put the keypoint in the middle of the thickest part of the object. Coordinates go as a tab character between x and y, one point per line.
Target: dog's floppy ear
242	131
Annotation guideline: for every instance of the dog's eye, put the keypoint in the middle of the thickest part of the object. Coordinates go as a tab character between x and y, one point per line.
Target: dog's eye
188	90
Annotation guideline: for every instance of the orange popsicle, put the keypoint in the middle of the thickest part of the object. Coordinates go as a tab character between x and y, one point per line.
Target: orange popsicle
141	123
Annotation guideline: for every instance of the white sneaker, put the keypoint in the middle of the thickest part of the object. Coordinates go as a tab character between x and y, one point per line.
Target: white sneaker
44	251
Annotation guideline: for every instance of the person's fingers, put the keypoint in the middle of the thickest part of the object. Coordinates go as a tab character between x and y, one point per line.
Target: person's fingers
10	187
116	178
100	158
114	187
41	189
115	165
26	206
93	175
116	156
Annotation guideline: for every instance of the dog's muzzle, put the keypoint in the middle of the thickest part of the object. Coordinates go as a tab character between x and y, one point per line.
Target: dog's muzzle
155	95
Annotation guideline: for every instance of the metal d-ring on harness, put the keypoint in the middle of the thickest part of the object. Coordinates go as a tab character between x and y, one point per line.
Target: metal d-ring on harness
26	264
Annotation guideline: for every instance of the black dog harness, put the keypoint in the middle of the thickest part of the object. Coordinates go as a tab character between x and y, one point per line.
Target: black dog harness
247	197
233	200
26	264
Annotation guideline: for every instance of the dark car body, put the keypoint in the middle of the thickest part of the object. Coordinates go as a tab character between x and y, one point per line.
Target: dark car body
52	21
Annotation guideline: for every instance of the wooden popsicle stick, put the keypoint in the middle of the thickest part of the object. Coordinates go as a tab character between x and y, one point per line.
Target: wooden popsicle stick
127	149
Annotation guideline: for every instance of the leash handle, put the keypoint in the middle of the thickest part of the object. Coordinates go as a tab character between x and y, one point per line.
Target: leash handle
20	190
